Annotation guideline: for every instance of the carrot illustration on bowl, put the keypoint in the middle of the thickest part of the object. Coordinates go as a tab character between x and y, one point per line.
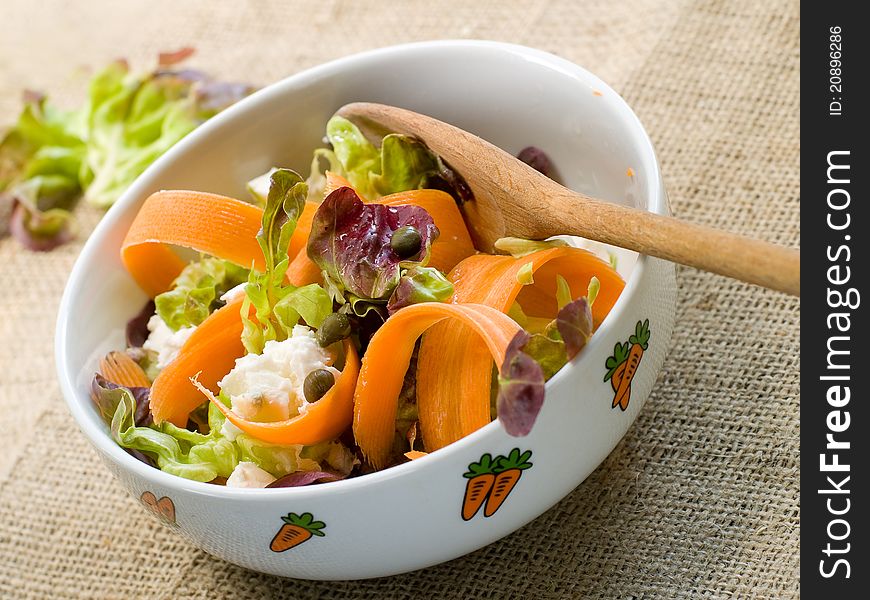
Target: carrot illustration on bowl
481	479
622	366
296	530
490	481
508	471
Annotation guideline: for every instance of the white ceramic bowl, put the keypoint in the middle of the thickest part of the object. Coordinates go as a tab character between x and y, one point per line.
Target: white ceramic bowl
510	95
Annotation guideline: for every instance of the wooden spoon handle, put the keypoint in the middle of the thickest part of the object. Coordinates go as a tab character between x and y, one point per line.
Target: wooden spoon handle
747	259
513	199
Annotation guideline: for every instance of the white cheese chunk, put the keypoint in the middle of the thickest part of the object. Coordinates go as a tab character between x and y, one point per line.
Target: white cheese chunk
269	386
249	475
165	342
233	293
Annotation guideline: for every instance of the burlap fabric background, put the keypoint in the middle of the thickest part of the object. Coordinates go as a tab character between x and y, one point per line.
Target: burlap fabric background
699	500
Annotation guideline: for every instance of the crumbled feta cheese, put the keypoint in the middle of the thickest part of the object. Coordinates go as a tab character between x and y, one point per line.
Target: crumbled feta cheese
340	458
269	386
165	342
249	475
234	292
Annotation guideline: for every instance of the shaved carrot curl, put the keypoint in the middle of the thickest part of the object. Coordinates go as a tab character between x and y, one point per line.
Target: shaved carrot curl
389	353
208	223
451	402
211	351
222	227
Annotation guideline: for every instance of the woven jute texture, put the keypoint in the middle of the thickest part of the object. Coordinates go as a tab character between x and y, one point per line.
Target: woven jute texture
700	500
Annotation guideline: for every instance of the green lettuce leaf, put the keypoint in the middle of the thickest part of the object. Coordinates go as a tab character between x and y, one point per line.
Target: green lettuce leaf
40	159
277	460
204	457
317	178
178	451
278	306
420	284
401	163
311	302
405	162
356	155
520	247
548	353
197	290
558	341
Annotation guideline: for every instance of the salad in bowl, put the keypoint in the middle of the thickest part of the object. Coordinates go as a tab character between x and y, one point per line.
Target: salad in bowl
305	366
331	326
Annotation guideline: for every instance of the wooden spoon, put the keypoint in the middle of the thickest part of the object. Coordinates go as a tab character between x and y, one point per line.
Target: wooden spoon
513	199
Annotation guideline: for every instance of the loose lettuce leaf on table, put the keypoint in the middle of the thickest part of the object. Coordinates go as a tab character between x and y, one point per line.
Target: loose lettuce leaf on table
131	119
50	157
350	242
40	160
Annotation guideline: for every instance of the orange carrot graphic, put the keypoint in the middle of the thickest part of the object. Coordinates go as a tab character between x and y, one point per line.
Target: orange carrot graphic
624	363
295	530
508	471
480	481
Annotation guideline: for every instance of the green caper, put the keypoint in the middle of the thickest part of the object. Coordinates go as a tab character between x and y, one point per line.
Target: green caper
406	241
317	383
334	328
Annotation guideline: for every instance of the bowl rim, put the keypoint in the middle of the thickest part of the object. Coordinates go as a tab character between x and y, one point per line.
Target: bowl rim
656	203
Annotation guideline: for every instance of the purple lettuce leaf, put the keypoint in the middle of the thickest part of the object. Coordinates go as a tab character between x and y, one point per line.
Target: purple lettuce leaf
41	231
141	456
137	328
350	242
574	323
105	396
521	388
301	478
538	160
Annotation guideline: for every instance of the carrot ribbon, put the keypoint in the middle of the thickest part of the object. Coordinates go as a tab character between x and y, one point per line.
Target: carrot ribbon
389	353
222	227
451	402
211	352
323	420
